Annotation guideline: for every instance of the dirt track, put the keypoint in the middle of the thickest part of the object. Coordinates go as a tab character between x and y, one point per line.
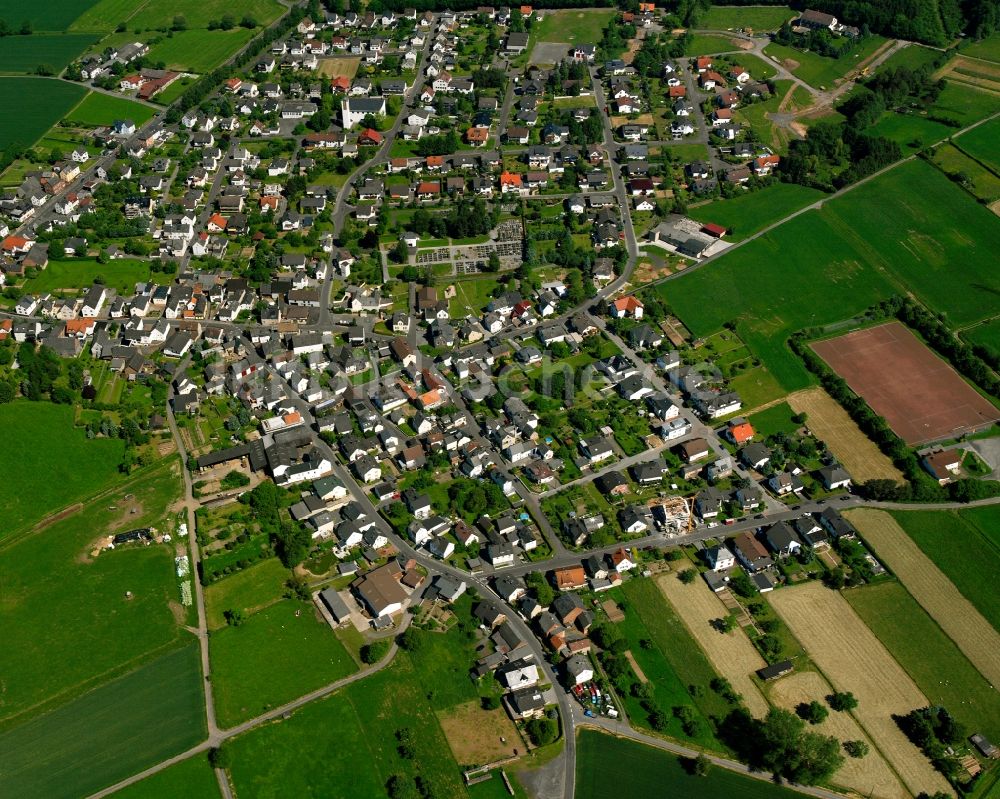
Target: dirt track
853	659
869	775
732	654
858	453
933	590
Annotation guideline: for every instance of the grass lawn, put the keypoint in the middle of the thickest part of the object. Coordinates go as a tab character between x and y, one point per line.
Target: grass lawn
988	49
173	91
980	143
640	770
760	18
911	230
345	745
111	732
913	56
821	71
708	44
671	637
471	296
987	334
756	386
101	633
25	53
44	15
199	50
103	109
688	152
40	103
928	655
198	13
776	419
759	68
78	273
57	464
193	778
743	216
249	590
965	545
669	690
443	661
272	658
575	26
910	131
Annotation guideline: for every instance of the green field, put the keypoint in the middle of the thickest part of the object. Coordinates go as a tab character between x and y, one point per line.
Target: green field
192	778
988	49
248	590
752	212
821	71
981	143
965	545
471	296
103	109
928	655
57	465
982	183
776	419
987	334
40	103
583	26
964	104
912	57
273	657
70	276
199	50
910	131
25	53
198	13
101	633
709	44
633	769
44	15
104	736
909	230
759	18
105	15
759	68
345	745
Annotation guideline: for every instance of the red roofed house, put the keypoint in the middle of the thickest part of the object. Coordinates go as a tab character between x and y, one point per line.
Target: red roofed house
477	137
676	92
526	11
703	63
721	116
132	82
216	222
80	328
369	136
429	188
341	83
6	326
233	85
570	577
15	244
740	431
269	204
625	306
621	560
765	163
714	230
435	161
510	181
710	79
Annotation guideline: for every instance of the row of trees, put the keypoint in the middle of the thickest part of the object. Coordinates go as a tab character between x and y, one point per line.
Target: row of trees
934	22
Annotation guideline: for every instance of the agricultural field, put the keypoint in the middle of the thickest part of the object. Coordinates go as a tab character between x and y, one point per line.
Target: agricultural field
102	632
867	776
853	659
649	617
193	778
104	736
981	182
822	72
573	26
102	109
46	16
732	654
345	745
931	587
41	102
339	67
926	653
871	243
913	56
198	13
199	50
273	657
987	49
58	465
751	213
912	132
249	590
980	143
830	423
987	334
640	770
965	104
759	18
68	277
25	53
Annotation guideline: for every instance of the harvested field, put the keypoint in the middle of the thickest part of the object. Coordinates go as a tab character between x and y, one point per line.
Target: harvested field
337	67
853	449
975	72
474	734
919	395
732	654
853	659
959	619
869	775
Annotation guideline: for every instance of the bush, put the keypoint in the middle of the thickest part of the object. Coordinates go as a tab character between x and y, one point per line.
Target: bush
687	576
842	700
856	748
375	651
813	712
542	731
219	757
